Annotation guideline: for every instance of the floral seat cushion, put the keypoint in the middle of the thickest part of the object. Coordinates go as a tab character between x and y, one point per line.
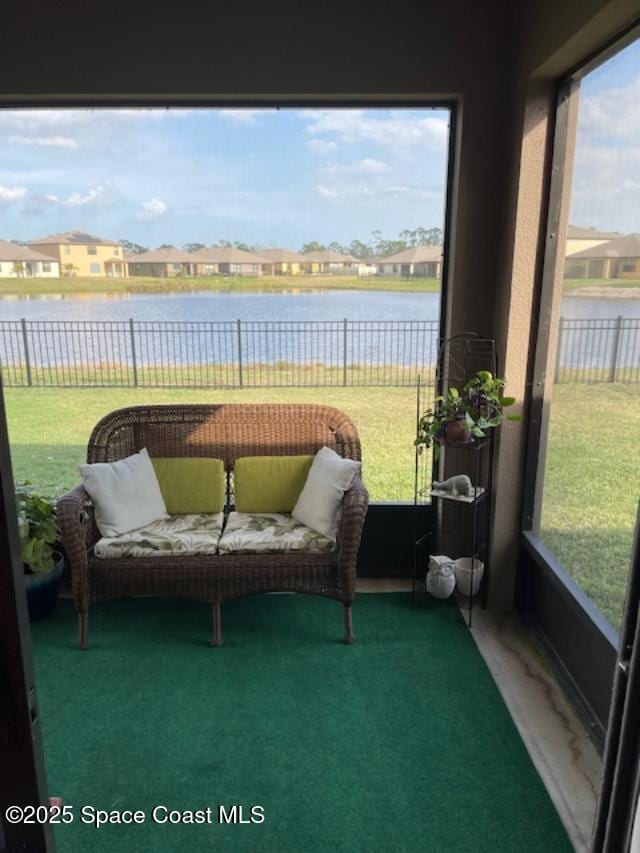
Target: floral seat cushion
178	534
270	532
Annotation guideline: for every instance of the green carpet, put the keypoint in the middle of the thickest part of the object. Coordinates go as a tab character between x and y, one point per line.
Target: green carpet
398	743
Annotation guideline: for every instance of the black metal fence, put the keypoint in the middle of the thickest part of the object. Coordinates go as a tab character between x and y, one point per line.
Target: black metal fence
603	350
255	354
238	354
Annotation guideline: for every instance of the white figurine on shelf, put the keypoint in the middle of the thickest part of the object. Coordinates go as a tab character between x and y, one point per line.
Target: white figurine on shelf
441	579
459	485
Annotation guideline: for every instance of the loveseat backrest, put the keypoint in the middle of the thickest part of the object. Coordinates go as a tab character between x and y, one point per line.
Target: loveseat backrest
226	431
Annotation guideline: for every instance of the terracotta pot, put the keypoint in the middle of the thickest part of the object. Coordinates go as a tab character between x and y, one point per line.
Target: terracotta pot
457	432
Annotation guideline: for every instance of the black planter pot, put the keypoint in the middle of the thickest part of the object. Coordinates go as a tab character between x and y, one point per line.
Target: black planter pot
42	590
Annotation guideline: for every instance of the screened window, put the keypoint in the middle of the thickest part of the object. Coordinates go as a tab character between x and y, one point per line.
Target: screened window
592	465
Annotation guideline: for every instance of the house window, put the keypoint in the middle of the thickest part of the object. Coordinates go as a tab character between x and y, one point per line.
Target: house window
67	250
92	250
46	267
177	267
116	250
94	269
628	266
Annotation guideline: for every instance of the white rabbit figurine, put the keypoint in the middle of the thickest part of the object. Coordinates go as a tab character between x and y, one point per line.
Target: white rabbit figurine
458	485
441	579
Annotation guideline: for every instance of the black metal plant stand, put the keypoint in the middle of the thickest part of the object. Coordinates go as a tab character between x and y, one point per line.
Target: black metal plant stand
463	523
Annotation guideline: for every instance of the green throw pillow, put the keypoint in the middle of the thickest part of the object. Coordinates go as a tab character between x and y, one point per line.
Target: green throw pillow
191	485
269	483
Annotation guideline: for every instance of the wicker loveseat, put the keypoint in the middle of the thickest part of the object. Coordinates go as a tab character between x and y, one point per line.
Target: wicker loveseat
226	432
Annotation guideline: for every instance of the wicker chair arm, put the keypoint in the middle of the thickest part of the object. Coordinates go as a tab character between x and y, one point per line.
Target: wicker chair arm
354	510
78	531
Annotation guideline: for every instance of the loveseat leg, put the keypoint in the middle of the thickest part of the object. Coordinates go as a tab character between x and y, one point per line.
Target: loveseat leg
83	630
216	639
349	636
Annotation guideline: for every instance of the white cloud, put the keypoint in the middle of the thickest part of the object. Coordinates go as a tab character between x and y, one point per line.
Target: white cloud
397	130
39	204
152	209
39	120
367	166
338	191
12	193
322	147
326	192
612	112
45	141
100	195
242	116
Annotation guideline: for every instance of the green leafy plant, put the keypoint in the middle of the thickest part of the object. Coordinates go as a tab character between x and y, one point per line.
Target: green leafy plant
433	423
37	527
485	403
480	407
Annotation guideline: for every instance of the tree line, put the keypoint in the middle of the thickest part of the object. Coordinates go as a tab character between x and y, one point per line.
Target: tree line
377	246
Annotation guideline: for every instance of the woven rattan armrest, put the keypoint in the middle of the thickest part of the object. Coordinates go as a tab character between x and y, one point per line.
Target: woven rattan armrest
78	531
354	510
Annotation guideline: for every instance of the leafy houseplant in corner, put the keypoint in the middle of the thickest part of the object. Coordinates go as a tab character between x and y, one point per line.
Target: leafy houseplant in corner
462	417
43	565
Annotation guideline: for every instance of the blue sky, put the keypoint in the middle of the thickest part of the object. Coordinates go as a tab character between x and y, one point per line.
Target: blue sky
283	177
606	182
268	177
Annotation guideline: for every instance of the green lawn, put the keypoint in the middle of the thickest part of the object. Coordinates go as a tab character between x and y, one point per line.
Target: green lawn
230	284
248	284
591	488
49	427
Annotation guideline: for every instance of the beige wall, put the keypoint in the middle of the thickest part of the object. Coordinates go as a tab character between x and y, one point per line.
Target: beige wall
574	246
497	60
30	269
79	256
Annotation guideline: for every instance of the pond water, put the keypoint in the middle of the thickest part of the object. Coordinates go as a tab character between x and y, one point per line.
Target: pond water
593	338
314	305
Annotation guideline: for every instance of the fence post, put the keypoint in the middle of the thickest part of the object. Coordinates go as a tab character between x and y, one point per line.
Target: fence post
556	377
133	353
344	351
239	335
25	344
617	337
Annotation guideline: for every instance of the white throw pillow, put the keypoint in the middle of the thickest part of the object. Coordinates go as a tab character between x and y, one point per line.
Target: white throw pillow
320	501
126	494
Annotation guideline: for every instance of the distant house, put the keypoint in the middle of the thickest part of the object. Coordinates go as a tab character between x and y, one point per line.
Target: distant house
579	239
82	254
422	261
327	262
234	261
208	260
282	261
20	262
163	263
619	258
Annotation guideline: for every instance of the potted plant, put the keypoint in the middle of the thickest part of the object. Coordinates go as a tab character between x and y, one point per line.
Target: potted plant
445	421
43	565
465	416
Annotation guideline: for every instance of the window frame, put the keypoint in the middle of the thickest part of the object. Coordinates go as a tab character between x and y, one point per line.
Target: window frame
572	633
